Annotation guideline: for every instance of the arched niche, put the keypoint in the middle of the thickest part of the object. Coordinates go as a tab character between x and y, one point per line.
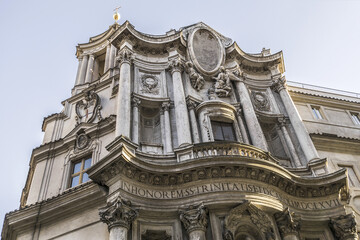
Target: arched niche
218	118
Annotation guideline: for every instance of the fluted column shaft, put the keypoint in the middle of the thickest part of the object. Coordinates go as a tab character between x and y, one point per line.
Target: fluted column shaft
167	127
193	121
135	121
181	112
89	70
296	121
123	108
83	68
255	131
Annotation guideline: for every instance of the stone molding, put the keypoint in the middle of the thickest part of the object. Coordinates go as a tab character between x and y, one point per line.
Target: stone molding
287	222
195	218
118	213
344	227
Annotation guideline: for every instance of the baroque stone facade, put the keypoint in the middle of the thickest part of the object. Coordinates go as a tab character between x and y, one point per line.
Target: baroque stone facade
186	136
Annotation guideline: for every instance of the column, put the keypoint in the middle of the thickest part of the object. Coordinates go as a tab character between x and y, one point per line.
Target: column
344	227
195	221
77	80
112	56
181	112
118	215
194	127
107	58
255	131
89	70
123	108
242	126
83	68
135	122
296	121
288	225
290	145
167	128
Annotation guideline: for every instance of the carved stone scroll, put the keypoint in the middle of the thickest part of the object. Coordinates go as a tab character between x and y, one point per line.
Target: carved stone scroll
344	227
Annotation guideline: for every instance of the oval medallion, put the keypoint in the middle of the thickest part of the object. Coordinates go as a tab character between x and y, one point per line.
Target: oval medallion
206	51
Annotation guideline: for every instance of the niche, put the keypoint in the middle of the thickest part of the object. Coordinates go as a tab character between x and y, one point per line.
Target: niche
150	130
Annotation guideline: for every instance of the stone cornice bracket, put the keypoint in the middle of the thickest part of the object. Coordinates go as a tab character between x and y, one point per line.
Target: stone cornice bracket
344	227
279	83
195	218
176	65
118	213
288	223
124	55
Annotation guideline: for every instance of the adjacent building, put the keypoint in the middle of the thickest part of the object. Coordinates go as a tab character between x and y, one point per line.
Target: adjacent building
185	136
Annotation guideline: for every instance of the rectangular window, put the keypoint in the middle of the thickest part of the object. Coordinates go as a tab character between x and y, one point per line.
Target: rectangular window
78	174
316	112
353	178
223	131
355	117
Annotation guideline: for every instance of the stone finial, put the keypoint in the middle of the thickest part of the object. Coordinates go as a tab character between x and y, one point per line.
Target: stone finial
124	55
279	84
287	222
176	65
195	218
344	227
118	213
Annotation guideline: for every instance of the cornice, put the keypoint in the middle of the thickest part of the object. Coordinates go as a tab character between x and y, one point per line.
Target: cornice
332	142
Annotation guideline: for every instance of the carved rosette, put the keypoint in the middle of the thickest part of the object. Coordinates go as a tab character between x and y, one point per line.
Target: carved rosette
260	101
118	213
175	65
287	222
194	218
89	108
344	227
279	84
124	55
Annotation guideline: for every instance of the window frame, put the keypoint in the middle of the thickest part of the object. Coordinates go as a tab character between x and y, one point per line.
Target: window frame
355	117
81	172
221	123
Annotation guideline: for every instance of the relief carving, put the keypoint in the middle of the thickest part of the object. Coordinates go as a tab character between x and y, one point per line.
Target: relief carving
87	109
196	80
82	141
344	227
150	84
124	56
222	86
194	218
287	222
260	101
118	213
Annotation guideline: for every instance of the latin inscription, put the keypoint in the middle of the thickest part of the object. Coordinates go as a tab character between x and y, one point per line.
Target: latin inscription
225	187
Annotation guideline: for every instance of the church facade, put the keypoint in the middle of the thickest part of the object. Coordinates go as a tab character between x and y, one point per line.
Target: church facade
184	136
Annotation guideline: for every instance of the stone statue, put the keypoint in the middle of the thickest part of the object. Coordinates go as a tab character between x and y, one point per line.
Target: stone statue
222	85
197	81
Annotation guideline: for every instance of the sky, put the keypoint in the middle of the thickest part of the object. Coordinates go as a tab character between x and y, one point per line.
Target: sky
320	40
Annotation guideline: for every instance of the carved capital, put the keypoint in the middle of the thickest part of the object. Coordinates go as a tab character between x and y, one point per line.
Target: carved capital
287	222
279	84
281	121
344	227
191	104
165	106
118	213
176	65
195	218
124	55
135	102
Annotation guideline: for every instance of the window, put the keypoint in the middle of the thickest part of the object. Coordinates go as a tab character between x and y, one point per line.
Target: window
355	117
78	174
223	131
353	179
316	112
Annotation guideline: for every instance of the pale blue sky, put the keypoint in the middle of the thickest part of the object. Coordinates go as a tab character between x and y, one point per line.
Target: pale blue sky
320	40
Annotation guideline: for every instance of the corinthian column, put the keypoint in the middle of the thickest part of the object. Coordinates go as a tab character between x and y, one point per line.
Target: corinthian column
123	108
296	121
344	227
288	225
181	112
118	215
167	128
194	127
195	221
135	121
90	70
255	131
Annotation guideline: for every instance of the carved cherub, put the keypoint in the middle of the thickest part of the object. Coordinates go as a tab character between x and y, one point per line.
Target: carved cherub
222	84
197	81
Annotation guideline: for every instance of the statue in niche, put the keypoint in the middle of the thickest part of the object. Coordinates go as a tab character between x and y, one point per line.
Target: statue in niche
87	109
196	80
222	85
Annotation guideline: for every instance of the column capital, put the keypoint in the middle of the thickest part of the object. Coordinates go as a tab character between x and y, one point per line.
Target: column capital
165	106
124	55
279	83
287	222
135	101
118	213
282	121
194	218
176	65
191	104
344	227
